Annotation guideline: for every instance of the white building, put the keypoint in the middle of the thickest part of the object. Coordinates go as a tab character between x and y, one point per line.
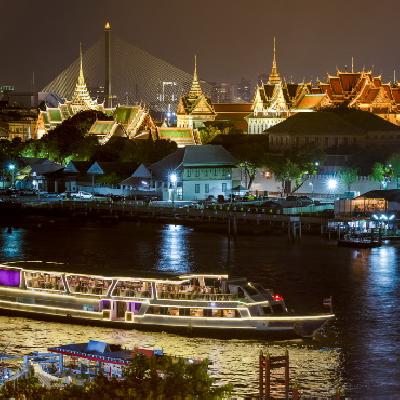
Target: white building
196	172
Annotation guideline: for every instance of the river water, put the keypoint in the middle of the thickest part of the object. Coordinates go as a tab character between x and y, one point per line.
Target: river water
359	353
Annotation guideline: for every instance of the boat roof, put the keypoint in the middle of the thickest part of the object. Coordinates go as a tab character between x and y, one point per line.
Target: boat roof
173	280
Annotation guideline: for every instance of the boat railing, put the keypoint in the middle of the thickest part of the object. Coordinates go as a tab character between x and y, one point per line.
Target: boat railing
196	296
145	294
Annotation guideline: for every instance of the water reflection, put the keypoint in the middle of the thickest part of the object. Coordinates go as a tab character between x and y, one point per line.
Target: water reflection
314	370
173	250
11	243
361	350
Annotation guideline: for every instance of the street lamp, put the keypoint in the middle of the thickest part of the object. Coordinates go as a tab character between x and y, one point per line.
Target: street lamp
332	185
312	187
11	168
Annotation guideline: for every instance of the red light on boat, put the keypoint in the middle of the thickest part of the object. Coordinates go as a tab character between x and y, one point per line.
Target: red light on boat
277	297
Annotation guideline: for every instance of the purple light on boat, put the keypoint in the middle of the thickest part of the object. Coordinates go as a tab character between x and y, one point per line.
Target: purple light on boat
134	307
105	305
9	278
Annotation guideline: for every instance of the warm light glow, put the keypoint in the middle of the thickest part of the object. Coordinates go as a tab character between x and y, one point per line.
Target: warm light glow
107	26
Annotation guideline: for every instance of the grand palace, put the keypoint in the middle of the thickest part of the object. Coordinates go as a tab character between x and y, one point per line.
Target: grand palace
273	102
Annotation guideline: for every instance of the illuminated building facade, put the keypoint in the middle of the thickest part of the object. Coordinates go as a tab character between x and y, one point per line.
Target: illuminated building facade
276	100
81	101
364	91
195	108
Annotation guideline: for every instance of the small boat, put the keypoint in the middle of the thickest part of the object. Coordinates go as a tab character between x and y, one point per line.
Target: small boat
191	304
360	242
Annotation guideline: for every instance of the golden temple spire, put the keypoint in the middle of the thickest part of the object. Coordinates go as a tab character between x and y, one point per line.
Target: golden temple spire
274	76
195	89
81	78
107	26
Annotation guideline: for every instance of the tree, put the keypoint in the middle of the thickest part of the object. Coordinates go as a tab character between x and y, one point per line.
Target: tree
145	378
394	165
209	133
381	173
294	167
348	176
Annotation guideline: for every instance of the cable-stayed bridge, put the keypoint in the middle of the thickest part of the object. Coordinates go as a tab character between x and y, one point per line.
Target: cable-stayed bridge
136	76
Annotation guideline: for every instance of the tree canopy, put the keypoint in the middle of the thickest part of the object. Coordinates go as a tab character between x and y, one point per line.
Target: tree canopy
145	378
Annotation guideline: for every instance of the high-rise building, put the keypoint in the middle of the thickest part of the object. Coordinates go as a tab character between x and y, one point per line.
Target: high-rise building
243	91
222	92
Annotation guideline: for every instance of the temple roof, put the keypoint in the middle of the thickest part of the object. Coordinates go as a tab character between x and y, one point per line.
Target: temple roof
182	136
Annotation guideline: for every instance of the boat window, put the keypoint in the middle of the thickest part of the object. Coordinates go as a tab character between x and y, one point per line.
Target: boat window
278	308
207	312
43	280
183	312
197	312
9	277
192	291
137	289
173	311
153	310
88	285
216	313
230	313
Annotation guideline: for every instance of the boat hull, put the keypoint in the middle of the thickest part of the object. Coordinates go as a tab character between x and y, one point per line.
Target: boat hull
280	328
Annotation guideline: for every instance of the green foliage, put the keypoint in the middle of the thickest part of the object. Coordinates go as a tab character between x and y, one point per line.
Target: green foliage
294	166
208	134
348	176
381	173
146	378
110	179
138	151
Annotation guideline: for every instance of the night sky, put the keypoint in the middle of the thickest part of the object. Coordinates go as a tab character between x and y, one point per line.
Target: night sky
233	38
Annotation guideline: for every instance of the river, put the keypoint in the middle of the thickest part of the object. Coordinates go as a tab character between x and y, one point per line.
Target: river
359	352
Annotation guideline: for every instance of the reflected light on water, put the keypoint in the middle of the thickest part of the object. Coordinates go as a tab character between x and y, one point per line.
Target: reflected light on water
173	250
11	243
315	371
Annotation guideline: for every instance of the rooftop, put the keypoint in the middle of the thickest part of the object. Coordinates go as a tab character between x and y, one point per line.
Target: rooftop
335	121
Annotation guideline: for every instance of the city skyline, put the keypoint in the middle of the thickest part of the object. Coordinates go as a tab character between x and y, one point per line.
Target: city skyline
301	53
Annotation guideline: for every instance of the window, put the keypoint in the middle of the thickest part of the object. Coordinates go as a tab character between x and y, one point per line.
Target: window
189	173
224	187
183	312
215	171
196	312
197	188
206	188
197	173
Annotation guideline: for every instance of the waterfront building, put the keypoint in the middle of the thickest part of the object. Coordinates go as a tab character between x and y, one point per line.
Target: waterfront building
333	129
196	172
195	108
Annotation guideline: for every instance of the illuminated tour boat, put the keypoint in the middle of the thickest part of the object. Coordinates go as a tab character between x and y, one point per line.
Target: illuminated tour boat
204	303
